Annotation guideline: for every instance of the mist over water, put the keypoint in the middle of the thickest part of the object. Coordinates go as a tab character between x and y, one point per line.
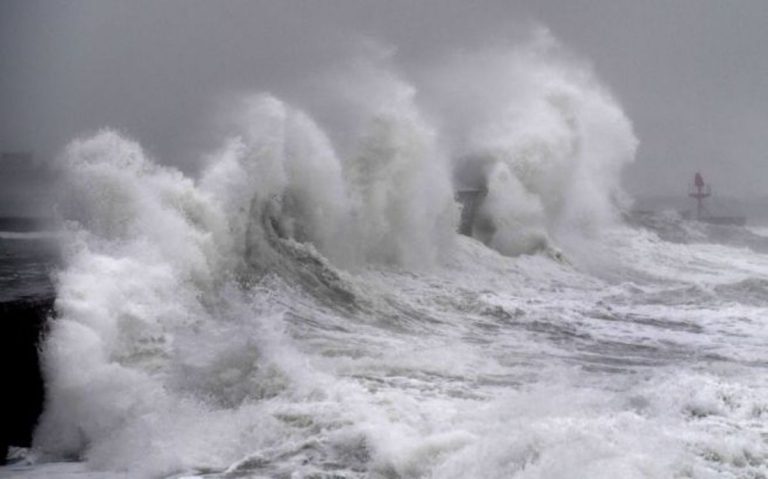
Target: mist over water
303	306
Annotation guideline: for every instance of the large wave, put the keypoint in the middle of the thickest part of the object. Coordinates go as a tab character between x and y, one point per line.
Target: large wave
548	140
169	350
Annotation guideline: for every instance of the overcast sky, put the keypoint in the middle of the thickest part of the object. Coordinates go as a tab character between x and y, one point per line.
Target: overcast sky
692	75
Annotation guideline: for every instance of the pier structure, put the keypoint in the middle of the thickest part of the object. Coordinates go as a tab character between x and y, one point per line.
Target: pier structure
470	200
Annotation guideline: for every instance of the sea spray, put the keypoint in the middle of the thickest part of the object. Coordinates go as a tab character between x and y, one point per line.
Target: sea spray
278	167
511	219
399	176
160	349
546	117
143	258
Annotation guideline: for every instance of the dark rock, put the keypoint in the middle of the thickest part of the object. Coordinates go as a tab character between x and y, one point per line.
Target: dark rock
22	325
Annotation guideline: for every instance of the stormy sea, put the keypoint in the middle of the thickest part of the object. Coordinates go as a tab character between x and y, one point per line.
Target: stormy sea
303	306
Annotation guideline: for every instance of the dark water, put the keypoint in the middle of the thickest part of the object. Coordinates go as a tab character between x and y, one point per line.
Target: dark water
27	261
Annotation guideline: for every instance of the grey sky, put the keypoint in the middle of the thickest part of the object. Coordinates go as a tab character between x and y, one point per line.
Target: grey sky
691	74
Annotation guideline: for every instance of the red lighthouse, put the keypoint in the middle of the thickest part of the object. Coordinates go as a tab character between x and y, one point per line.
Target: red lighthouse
701	190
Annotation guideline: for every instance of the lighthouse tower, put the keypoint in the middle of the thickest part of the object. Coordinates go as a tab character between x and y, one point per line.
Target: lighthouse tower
700	191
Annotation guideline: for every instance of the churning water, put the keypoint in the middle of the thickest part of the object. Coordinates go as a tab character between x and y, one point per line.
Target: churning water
295	312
